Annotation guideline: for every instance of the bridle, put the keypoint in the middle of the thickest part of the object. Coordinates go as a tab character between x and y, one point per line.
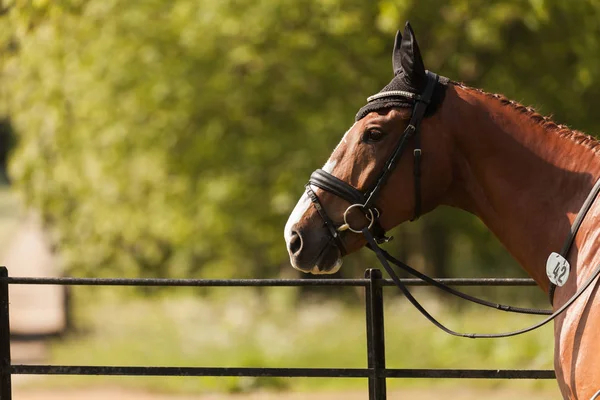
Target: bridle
366	201
375	234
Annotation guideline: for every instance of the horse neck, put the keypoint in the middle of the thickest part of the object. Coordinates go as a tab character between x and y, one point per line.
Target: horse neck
522	175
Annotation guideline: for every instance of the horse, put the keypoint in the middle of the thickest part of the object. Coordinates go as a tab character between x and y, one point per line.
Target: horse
523	175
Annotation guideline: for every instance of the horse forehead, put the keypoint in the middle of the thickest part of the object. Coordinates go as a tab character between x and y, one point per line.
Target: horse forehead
343	142
387	114
380	117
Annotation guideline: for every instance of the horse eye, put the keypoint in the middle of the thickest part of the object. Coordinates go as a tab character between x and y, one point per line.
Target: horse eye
373	135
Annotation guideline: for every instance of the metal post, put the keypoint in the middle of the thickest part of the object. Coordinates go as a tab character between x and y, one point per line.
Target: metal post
375	334
5	367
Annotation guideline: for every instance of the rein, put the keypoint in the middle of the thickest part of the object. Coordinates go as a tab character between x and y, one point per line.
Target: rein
384	262
375	234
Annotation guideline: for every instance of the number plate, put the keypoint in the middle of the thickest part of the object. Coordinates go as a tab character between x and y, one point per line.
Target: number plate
557	269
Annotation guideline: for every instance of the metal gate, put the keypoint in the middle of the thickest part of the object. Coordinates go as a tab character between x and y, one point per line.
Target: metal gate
376	372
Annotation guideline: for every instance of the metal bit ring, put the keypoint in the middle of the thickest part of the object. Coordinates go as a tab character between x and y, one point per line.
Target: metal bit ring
370	216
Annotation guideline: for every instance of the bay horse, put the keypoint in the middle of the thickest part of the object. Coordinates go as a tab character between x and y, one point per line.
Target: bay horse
523	175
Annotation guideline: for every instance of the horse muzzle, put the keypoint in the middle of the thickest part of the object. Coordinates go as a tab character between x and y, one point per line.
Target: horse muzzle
314	253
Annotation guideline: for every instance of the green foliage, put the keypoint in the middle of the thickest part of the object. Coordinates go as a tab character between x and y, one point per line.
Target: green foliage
165	136
539	52
173	138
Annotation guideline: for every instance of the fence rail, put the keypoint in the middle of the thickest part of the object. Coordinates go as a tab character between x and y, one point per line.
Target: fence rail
259	282
376	372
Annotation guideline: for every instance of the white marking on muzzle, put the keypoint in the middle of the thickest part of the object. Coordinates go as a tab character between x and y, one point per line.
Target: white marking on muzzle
329	166
303	206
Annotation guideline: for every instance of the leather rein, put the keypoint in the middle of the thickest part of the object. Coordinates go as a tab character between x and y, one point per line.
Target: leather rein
375	234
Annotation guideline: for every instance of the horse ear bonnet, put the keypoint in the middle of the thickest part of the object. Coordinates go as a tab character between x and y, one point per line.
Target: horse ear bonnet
409	75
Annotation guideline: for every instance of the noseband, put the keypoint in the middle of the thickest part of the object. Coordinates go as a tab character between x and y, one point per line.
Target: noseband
366	201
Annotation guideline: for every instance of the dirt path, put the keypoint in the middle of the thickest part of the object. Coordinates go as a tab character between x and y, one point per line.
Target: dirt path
34	310
412	394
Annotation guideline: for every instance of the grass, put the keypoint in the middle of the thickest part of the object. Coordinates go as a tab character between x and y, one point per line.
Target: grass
245	328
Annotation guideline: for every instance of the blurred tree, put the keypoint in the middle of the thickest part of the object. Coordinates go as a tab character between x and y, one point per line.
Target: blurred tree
7	139
173	138
165	137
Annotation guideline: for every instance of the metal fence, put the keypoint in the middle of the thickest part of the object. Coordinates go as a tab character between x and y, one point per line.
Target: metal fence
376	371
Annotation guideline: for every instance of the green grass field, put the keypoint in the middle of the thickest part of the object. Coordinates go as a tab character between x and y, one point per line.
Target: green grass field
244	328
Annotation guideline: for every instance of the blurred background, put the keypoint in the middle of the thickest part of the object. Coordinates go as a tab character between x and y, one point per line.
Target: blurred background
158	138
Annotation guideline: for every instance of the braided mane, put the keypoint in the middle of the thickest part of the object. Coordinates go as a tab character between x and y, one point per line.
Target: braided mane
546	122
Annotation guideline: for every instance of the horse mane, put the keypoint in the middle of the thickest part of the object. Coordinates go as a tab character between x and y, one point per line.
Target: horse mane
545	122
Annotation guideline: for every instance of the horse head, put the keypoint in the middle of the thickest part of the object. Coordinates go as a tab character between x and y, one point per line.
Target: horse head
393	164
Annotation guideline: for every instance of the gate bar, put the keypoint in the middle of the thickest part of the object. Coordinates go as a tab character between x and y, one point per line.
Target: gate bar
5	372
32	369
375	334
258	282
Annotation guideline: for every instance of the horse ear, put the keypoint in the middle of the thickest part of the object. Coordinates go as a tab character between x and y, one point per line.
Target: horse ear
411	60
397	54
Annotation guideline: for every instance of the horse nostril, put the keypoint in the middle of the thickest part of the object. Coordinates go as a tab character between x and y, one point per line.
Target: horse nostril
295	243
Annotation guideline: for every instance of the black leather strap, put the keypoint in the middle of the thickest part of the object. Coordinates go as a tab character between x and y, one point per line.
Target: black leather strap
417	154
332	184
335	235
411	130
574	229
418	306
458	293
326	181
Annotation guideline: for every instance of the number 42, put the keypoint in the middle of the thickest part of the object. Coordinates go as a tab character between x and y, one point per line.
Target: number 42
559	272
